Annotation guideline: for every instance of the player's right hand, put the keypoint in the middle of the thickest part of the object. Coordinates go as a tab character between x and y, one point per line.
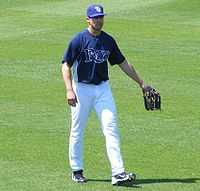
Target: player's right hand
71	98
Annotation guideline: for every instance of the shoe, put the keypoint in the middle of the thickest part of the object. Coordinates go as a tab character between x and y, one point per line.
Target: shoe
77	176
123	179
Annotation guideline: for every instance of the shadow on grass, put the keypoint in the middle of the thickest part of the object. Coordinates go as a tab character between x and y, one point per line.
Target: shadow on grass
167	180
139	182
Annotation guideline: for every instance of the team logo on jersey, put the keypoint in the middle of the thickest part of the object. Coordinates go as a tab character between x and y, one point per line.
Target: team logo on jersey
97	56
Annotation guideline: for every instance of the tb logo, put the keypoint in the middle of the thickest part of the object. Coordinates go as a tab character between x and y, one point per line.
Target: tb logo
96	56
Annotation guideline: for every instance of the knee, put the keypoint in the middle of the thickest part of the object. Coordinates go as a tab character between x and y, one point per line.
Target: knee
108	119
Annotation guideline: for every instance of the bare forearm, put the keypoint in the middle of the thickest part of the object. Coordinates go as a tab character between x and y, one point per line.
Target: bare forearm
67	77
131	72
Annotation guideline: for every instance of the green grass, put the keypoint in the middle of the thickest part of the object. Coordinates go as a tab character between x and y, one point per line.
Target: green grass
160	37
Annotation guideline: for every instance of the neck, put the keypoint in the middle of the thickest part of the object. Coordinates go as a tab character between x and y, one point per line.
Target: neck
93	31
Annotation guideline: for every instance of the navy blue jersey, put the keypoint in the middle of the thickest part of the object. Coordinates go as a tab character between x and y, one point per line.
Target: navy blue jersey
88	55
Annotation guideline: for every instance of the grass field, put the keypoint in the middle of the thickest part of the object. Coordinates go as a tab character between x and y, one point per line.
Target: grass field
160	37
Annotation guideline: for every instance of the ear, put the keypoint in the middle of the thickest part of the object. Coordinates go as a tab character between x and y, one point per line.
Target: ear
87	18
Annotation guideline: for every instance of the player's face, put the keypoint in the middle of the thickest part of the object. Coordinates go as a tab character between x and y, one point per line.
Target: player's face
96	23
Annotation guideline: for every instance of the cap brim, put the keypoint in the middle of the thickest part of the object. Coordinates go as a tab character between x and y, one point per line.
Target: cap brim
97	15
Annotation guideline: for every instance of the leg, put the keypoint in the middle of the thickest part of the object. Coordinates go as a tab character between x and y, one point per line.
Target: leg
79	116
106	111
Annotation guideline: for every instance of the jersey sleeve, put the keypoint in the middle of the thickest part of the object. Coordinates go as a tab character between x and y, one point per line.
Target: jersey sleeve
72	52
116	57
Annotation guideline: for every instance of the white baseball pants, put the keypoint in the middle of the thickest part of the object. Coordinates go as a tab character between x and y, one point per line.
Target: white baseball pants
99	98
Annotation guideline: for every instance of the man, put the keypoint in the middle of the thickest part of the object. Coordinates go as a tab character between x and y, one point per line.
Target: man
88	88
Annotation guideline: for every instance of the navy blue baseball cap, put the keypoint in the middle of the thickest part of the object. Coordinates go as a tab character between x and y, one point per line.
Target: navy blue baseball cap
95	11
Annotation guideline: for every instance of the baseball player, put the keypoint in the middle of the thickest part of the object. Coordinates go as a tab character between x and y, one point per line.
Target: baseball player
85	74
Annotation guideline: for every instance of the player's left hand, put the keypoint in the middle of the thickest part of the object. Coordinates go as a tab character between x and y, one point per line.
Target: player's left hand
152	98
144	87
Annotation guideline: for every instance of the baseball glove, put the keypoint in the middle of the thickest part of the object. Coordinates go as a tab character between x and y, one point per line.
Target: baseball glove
152	99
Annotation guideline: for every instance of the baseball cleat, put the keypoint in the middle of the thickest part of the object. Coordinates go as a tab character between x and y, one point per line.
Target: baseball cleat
77	176
123	179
